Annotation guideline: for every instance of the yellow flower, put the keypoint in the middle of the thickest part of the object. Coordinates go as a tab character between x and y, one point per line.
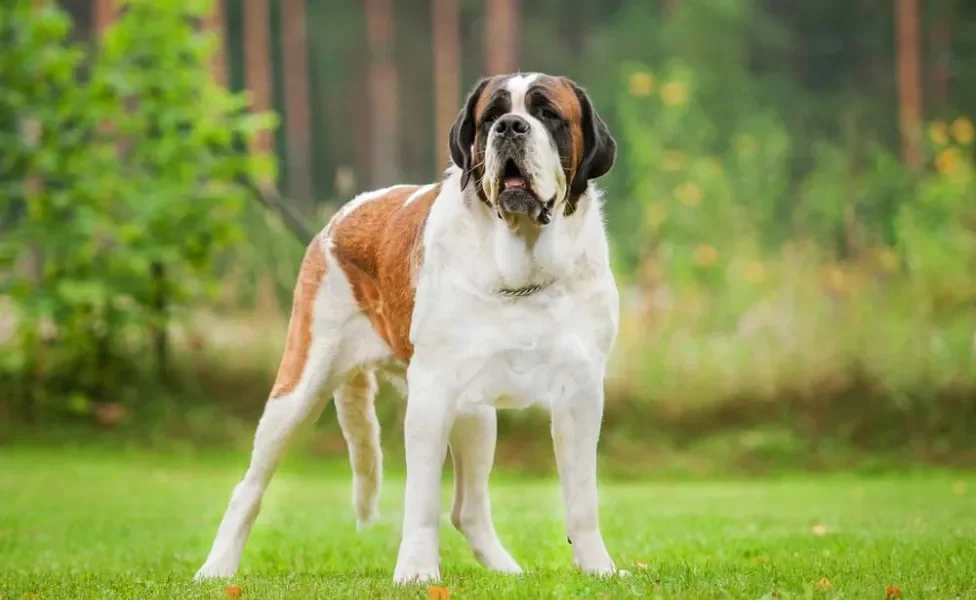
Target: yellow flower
713	167
947	161
888	259
674	93
837	279
673	161
962	130
746	146
655	215
755	272
689	194
705	255
641	84
939	133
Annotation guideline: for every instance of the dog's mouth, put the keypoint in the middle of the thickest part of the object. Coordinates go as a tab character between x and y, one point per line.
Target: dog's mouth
512	177
516	196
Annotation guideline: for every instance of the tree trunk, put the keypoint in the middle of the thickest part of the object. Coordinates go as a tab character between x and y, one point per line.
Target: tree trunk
257	64
447	76
940	51
160	305
216	23
383	94
909	89
503	36
295	41
103	13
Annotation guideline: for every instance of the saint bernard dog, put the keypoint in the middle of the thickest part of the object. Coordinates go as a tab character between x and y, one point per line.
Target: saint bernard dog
489	289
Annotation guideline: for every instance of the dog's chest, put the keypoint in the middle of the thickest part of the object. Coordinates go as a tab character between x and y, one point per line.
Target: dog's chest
513	352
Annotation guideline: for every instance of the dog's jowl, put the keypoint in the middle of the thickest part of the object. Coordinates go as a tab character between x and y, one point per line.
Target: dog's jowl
489	289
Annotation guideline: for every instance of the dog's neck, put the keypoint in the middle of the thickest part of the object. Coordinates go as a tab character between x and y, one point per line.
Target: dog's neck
527	256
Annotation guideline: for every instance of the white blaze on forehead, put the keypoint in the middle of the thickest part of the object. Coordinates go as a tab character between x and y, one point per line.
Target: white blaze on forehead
518	86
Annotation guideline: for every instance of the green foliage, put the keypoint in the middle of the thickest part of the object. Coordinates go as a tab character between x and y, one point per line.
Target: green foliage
791	537
937	232
123	184
782	272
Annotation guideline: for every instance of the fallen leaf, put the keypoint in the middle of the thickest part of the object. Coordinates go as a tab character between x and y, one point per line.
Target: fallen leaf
819	529
30	596
233	591
892	591
641	565
438	593
959	488
824	584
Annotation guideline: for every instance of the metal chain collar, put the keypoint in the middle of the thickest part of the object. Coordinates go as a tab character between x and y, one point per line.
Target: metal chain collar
523	291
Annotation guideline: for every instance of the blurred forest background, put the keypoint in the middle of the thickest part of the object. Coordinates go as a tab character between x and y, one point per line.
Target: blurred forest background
792	212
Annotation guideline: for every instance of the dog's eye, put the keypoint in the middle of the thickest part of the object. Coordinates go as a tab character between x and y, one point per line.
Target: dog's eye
549	114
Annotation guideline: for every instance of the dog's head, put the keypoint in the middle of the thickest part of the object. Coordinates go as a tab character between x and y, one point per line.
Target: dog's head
530	144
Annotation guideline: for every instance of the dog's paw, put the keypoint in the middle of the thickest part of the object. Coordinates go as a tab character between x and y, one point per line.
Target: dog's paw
496	558
214	571
598	564
364	520
411	574
602	571
418	560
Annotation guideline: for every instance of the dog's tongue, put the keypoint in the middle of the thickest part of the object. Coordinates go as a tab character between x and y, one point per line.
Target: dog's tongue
514	182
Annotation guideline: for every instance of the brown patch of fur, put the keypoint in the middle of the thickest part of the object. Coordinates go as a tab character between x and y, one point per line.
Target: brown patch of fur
493	86
562	95
379	246
299	339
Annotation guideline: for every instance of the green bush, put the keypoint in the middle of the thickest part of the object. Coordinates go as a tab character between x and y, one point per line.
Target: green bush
123	175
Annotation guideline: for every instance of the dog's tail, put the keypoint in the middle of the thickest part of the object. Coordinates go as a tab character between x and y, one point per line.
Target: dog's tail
355	407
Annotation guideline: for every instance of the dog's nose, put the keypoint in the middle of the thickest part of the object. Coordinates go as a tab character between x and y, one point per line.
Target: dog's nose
511	126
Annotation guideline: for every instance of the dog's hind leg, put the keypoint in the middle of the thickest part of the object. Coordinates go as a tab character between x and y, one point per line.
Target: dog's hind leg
300	392
473	452
357	417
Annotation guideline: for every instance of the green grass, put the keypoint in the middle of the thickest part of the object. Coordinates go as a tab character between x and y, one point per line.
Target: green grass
98	524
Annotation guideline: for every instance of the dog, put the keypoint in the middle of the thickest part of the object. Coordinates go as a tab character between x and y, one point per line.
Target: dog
489	289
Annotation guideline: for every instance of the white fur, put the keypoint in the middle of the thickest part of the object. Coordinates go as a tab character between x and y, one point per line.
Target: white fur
420	193
474	352
474	349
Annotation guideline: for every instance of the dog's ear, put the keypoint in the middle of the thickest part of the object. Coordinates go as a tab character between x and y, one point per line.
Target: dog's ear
462	133
599	147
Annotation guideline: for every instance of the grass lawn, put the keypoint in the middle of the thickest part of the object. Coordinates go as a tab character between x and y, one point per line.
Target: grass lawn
98	524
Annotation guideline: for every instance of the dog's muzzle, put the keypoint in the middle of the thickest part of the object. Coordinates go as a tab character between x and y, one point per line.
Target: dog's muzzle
516	194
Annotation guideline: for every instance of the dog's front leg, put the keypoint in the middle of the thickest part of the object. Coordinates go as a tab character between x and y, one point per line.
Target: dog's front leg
430	415
576	420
